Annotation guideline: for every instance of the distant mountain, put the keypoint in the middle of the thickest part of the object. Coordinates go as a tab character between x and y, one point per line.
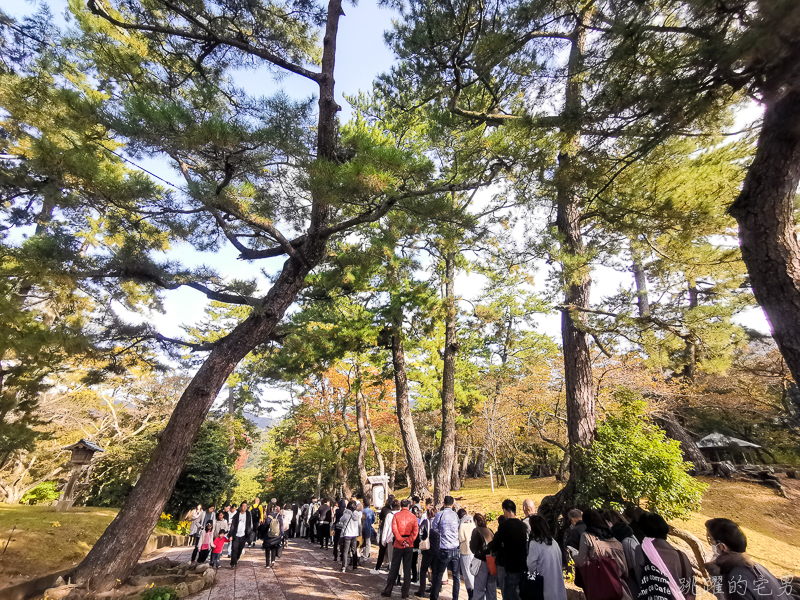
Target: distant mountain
260	422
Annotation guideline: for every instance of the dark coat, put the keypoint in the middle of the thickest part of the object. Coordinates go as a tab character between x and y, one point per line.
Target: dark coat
248	528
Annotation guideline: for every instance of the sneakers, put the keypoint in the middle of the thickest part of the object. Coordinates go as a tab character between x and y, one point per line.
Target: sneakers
374	572
344	569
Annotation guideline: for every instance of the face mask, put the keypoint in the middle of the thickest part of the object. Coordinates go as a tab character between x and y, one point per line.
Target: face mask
715	548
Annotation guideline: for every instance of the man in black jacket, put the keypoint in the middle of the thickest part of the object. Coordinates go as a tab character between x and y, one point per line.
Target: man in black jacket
324	518
510	544
573	535
239	533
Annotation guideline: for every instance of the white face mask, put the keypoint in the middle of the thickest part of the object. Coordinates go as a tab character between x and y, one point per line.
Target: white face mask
715	548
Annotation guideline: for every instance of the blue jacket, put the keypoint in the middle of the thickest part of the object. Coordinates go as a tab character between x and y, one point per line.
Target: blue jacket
369	518
446	523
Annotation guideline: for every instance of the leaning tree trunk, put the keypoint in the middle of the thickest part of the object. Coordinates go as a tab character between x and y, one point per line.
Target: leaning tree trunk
114	556
416	465
447	447
581	415
767	235
688	446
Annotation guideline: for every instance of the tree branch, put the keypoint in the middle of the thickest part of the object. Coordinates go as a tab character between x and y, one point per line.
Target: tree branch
209	37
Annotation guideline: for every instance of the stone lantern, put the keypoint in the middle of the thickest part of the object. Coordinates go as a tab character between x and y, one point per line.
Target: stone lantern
82	454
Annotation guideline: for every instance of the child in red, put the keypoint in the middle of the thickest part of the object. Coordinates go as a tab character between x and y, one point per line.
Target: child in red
219	543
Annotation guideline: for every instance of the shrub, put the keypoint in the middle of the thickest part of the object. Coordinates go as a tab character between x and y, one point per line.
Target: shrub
160	593
44	493
632	460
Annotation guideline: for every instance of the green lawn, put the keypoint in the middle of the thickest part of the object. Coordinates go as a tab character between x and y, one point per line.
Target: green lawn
45	541
770	522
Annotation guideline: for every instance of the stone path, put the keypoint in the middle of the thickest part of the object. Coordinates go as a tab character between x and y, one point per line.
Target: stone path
302	573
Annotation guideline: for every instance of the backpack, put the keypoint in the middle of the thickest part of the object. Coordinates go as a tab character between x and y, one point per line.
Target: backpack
273	528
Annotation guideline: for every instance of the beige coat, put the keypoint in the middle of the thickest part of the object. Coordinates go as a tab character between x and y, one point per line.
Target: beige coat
464	536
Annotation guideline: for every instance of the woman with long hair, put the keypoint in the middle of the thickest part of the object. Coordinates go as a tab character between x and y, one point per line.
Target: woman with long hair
544	559
485	584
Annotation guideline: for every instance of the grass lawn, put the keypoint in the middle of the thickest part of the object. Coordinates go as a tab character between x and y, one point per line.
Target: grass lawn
771	523
45	541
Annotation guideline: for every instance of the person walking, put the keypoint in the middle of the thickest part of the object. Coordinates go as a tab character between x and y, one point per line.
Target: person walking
404	529
368	527
196	519
510	544
742	577
465	529
337	529
485	584
384	515
426	553
544	559
219	544
445	527
293	526
313	520
599	546
240	531
351	529
229	518
288	516
271	533
414	509
655	552
205	544
324	516
257	515
385	536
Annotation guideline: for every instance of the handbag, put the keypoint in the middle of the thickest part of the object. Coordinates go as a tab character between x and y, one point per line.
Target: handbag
491	564
475	566
600	579
425	543
531	587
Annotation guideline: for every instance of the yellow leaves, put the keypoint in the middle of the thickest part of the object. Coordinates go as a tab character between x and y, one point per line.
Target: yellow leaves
55	524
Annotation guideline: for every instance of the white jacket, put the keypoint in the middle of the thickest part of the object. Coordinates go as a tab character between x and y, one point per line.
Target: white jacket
388	535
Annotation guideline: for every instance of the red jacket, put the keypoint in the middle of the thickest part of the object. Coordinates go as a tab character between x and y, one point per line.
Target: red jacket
405	529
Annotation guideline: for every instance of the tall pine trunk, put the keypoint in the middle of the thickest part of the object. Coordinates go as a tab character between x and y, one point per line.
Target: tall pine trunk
114	556
416	465
581	415
764	211
447	447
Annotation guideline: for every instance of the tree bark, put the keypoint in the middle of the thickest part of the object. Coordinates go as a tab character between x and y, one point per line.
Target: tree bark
116	553
455	479
393	471
689	448
416	465
580	401
690	354
375	448
640	279
764	211
448	442
366	488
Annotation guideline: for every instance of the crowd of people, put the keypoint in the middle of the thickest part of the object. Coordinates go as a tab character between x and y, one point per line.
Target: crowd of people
614	556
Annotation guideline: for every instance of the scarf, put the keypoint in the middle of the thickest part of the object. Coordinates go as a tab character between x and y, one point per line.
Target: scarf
655	558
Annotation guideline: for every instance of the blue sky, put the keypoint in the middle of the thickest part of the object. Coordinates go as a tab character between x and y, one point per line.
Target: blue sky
361	56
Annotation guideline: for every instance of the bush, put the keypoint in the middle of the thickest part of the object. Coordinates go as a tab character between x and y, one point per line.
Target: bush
632	460
160	593
44	493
